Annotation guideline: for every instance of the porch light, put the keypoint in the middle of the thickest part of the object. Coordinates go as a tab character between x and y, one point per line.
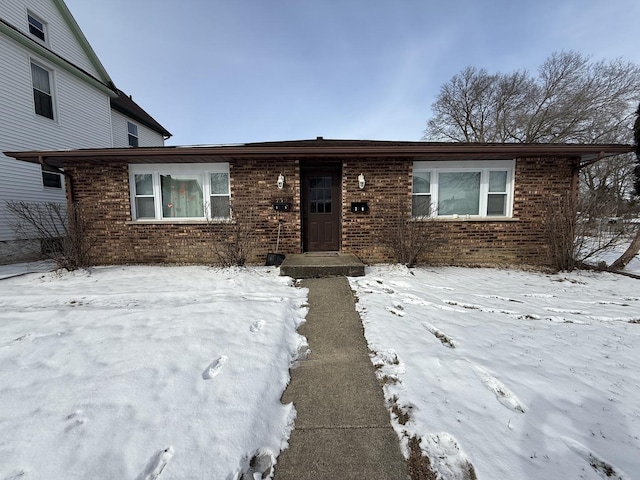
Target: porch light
280	181
361	181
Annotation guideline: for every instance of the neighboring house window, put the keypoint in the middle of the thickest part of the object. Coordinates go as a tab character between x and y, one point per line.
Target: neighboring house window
37	27
179	191
132	130
463	189
42	92
51	180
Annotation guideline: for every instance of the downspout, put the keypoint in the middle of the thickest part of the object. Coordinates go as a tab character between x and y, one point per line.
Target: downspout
68	182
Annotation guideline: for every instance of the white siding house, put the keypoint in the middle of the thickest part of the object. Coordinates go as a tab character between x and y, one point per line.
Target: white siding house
54	95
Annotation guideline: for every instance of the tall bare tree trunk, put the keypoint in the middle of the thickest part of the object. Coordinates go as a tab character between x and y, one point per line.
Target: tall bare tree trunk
628	255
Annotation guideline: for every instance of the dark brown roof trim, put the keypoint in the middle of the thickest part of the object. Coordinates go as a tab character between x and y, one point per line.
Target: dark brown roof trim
125	105
326	149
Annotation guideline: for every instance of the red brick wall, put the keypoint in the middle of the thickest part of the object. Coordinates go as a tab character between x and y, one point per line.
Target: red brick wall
104	192
518	241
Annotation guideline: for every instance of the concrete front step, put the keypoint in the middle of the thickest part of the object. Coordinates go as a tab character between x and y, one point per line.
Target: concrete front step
322	264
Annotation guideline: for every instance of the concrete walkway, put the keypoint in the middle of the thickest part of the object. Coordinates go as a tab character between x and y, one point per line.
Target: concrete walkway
342	430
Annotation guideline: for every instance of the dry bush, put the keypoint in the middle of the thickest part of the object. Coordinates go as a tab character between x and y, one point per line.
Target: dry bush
406	238
61	230
234	245
579	230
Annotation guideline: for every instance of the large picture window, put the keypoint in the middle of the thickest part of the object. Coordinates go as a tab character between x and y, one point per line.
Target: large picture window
180	191
462	189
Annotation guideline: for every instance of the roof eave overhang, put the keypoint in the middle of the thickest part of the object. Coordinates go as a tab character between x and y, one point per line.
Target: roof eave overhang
426	151
128	113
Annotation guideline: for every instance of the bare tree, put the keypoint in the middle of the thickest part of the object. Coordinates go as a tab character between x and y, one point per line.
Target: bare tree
571	99
63	231
634	248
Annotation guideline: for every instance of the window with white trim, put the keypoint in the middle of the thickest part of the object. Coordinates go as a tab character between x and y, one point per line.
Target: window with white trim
37	27
180	191
132	131
467	189
42	91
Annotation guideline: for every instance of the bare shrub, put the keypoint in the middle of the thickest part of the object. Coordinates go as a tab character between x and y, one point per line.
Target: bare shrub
61	230
579	230
233	245
404	236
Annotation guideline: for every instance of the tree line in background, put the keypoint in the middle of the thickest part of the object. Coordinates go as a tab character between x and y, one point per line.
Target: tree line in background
571	99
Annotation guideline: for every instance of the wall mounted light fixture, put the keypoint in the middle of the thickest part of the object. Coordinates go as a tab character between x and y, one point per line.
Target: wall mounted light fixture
280	181
361	181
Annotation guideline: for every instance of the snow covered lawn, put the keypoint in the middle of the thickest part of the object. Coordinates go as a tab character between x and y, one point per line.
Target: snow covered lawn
523	375
126	372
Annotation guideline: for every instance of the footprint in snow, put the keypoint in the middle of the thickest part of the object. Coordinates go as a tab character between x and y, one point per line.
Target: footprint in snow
257	466
76	419
505	396
156	464
257	326
604	469
214	368
446	340
397	309
16	475
446	456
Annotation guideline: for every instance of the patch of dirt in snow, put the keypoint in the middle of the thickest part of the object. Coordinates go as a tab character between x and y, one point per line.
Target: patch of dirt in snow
419	464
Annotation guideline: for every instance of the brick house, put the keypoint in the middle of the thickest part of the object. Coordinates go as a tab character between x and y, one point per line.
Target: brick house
486	204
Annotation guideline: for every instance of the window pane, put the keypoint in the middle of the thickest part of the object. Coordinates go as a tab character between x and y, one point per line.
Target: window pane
220	207
220	183
132	128
421	182
43	104
52	180
133	141
320	195
144	184
459	193
182	196
421	205
497	181
36	23
40	78
145	207
497	205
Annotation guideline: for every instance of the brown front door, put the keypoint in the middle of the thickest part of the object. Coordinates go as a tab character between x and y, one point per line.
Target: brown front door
321	205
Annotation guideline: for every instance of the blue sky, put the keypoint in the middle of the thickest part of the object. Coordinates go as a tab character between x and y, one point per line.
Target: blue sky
234	71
